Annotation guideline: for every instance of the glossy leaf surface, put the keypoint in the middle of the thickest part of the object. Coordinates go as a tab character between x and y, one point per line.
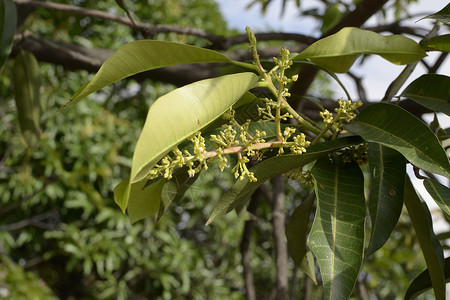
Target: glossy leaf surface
8	20
431	91
394	127
431	248
338	52
337	235
144	55
387	171
440	194
275	166
182	112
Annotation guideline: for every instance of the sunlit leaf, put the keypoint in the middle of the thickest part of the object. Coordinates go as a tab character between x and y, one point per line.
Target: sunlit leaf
437	43
275	166
309	267
394	127
440	194
297	230
337	235
443	15
338	52
182	112
422	282
140	202
431	248
431	91
8	20
144	55
387	171
26	80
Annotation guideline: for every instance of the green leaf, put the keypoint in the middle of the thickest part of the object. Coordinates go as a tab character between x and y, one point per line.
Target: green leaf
297	230
337	234
275	166
437	43
8	20
309	267
387	170
394	127
331	17
431	91
141	201
182	112
26	80
440	194
123	5
431	248
338	52
443	15
140	56
422	282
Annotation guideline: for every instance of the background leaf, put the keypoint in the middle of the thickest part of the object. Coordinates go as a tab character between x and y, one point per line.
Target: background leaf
431	248
440	194
338	52
394	127
8	20
443	15
297	230
275	166
431	91
182	112
437	43
26	80
144	55
337	234
422	282
387	171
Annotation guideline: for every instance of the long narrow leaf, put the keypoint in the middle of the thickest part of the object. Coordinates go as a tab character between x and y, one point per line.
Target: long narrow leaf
422	282
394	127
388	169
437	43
8	20
338	52
275	166
297	230
337	234
182	112
431	248
443	15
140	56
440	194
431	91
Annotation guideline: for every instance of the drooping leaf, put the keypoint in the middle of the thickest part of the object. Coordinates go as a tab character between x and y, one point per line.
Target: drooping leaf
144	55
182	112
26	80
387	170
337	235
275	166
443	15
394	127
8	20
437	43
440	194
140	201
297	230
422	282
338	52
431	248
431	91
